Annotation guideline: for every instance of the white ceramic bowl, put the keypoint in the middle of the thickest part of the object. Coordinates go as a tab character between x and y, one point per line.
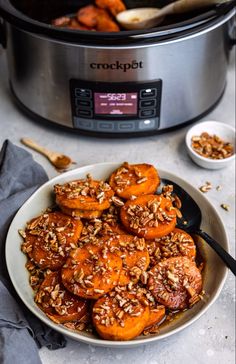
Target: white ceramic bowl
214	272
224	131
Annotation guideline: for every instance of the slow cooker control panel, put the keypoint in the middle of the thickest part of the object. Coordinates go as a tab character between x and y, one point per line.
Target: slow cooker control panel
117	107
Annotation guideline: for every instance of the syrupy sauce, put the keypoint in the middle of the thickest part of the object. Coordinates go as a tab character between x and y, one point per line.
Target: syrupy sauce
171	316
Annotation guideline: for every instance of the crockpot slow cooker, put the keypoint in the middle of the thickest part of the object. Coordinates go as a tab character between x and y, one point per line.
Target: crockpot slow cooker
126	83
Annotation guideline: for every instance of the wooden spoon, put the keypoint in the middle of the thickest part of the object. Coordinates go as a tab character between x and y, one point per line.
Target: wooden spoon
144	18
60	161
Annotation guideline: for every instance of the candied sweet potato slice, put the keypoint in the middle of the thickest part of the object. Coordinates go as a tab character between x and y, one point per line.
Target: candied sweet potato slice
120	315
49	237
149	216
84	194
81	214
91	271
87	15
105	23
134	180
76	25
175	283
157	314
97	18
59	305
134	254
114	6
176	243
63	21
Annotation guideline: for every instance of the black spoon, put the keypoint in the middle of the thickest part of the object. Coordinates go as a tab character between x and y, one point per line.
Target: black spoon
191	221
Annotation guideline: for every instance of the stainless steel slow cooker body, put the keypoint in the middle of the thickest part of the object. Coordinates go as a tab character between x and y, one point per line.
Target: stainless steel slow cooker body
174	75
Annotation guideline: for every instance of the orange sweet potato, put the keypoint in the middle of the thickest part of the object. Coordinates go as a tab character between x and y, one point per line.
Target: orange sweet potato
87	15
175	283
149	216
49	237
120	315
91	271
185	242
59	305
114	6
157	313
81	214
105	23
134	180
84	195
76	25
63	21
176	243
134	254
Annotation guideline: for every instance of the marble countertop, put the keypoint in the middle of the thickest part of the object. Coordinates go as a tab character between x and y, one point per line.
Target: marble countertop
211	339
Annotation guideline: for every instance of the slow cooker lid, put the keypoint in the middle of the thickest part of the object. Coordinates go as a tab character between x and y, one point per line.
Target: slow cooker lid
35	16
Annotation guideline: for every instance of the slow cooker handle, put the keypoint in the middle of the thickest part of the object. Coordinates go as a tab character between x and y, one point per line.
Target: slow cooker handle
2	33
232	31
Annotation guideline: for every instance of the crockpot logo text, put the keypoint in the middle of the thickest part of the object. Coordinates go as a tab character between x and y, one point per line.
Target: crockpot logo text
117	66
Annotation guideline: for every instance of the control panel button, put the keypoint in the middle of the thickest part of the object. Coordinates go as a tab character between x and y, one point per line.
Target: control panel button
85	113
147	124
126	126
148	113
103	126
147	103
83	124
121	107
83	92
148	92
84	103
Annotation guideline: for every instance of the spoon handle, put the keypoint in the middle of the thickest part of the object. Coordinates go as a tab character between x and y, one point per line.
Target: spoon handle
33	145
226	257
182	6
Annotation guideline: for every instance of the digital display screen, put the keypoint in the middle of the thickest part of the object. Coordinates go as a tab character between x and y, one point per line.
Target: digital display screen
115	103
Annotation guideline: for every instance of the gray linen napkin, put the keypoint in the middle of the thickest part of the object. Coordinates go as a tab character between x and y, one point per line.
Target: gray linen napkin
21	333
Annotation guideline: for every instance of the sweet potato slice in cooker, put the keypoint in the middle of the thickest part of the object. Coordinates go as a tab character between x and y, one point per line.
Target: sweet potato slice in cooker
97	18
84	194
105	23
76	25
114	6
59	305
62	21
120	315
134	180
49	237
175	283
176	243
87	15
91	271
149	216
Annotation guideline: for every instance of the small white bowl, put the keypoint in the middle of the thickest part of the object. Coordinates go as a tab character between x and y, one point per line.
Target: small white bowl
224	131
